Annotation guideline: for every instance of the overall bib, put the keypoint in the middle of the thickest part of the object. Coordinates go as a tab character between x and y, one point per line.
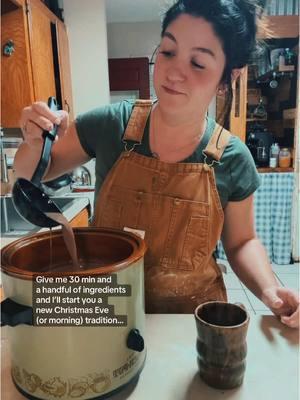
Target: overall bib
178	207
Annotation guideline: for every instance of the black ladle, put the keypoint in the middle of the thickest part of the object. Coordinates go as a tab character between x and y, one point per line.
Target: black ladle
28	197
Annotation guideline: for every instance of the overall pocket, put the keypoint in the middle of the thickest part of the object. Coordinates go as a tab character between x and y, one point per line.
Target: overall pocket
127	208
187	239
176	230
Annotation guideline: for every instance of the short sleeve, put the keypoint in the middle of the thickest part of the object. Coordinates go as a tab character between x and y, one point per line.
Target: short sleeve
90	128
244	178
100	130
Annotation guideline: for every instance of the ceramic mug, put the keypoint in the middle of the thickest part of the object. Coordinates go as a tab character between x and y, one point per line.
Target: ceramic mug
221	343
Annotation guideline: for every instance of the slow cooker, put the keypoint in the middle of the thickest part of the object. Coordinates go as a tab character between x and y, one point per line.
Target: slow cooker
80	362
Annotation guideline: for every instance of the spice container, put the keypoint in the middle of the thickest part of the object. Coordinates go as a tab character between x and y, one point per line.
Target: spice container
284	158
274	154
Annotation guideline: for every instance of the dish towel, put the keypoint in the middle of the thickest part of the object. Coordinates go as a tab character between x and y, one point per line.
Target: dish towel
273	216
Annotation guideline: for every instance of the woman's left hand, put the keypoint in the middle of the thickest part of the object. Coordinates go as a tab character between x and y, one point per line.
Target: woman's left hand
284	303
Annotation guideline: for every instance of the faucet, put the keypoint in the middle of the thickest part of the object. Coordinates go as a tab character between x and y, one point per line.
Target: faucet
4	169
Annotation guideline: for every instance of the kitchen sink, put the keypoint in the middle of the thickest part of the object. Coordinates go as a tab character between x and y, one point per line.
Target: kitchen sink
12	224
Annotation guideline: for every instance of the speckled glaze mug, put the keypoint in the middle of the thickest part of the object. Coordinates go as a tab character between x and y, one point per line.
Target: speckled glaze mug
221	343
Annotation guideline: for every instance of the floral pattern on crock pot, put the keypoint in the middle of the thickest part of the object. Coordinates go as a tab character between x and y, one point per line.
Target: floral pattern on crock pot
56	387
97	383
100	382
78	387
17	374
31	381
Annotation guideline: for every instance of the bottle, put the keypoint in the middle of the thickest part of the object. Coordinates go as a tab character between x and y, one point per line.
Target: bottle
274	154
288	57
284	158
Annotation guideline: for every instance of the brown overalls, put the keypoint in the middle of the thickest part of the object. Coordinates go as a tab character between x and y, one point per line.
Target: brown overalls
178	207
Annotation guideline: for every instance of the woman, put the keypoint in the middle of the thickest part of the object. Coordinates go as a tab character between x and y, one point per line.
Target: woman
171	172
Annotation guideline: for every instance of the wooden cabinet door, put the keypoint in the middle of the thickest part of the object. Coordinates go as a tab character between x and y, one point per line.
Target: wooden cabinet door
16	82
64	69
238	113
40	38
239	106
81	219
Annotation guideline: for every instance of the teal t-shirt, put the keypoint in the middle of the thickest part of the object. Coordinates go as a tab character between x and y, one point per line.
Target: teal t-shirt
100	132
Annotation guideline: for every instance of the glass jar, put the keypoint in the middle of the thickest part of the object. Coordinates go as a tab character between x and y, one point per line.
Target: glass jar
284	158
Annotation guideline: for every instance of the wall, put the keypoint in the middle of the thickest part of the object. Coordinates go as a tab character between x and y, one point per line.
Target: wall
88	52
135	39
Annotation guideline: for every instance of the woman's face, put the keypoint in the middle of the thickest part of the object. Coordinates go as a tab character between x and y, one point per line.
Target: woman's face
189	66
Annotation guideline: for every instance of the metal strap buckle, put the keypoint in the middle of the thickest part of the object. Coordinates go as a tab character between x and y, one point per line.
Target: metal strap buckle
212	160
133	146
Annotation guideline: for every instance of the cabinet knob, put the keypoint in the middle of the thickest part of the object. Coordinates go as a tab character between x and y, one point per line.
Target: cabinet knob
8	48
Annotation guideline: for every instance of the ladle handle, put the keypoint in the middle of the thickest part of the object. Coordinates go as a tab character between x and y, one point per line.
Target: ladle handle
49	137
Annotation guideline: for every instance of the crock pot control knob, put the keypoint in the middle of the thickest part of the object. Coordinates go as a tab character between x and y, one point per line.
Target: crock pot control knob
135	341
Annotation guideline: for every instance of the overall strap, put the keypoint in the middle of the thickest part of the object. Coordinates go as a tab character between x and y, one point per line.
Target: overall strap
217	143
137	121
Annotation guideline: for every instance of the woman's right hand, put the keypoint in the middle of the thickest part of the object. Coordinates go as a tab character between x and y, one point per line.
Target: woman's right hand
37	118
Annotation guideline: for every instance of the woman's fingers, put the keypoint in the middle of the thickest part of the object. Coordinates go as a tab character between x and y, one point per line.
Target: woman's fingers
293	320
290	315
38	117
284	302
64	121
41	108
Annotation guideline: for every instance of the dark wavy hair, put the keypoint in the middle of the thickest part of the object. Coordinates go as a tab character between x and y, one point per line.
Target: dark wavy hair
235	24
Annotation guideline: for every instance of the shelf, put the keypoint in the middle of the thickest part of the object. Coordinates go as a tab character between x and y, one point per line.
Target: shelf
256	119
268	169
268	76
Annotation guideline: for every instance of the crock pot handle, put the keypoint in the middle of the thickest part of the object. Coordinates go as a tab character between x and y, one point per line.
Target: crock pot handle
13	314
135	341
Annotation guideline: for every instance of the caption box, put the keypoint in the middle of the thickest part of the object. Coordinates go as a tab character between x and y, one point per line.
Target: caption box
77	300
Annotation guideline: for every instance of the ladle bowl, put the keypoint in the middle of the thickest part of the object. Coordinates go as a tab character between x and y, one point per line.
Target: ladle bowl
33	204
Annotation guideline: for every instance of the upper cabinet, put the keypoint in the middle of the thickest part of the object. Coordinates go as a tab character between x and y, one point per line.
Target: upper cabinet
41	27
35	59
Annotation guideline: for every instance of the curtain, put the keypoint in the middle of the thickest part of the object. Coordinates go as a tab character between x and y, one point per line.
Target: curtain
273	216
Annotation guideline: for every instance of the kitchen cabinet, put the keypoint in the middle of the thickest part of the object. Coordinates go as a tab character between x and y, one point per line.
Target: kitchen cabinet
283	30
239	109
81	219
130	74
36	64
